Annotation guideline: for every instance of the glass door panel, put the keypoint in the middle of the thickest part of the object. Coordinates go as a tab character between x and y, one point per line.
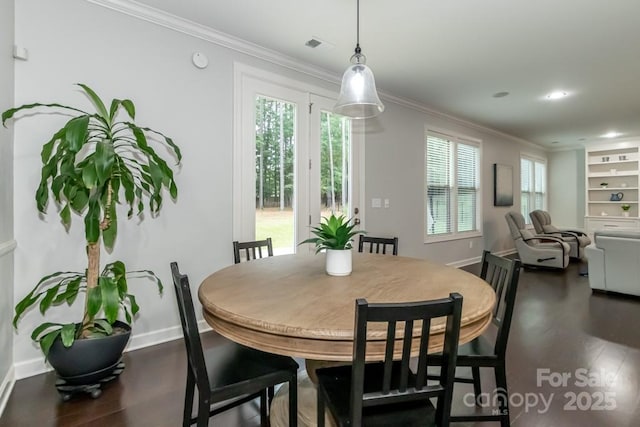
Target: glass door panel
335	164
275	144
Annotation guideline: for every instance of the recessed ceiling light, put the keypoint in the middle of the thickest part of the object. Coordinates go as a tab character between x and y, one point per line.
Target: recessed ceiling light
559	94
500	94
612	134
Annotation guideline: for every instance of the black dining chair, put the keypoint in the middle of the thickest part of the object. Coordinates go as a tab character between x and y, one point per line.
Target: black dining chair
378	243
388	393
482	352
253	249
229	374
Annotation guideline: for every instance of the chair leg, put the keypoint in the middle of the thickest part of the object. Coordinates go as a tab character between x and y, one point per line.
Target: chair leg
503	395
264	403
293	401
188	399
270	394
320	408
477	388
204	406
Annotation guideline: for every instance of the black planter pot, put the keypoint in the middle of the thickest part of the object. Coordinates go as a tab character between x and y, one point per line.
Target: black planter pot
89	360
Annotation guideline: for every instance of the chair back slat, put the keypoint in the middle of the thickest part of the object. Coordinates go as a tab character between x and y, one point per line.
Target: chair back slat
421	379
379	243
388	357
249	249
402	386
195	356
502	274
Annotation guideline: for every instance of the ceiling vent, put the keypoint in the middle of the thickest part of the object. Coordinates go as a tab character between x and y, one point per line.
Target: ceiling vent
313	43
318	43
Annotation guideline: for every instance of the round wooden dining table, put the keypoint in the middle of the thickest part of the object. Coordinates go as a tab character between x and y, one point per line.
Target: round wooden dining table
288	305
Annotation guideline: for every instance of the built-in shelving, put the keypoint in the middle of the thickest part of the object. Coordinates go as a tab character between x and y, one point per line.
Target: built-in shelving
618	166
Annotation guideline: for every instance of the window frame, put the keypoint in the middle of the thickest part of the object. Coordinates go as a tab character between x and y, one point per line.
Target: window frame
532	179
455	139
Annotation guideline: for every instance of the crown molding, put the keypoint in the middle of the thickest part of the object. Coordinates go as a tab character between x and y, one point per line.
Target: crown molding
164	19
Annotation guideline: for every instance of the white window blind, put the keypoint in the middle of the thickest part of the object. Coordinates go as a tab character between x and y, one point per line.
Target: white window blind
453	186
468	186
533	186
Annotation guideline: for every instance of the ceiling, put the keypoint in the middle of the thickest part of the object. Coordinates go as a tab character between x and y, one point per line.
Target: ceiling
454	55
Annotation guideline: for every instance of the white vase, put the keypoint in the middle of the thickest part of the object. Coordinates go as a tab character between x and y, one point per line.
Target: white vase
338	262
625	213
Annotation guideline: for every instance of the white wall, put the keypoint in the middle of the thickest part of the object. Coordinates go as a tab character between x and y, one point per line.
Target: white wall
567	192
120	56
6	201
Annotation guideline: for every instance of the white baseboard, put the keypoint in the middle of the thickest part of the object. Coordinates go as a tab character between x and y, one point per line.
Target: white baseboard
36	366
475	260
464	262
6	387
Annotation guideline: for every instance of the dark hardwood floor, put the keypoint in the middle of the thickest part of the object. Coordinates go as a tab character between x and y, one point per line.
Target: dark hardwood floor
559	329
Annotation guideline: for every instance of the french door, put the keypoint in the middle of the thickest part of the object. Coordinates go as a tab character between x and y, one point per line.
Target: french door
294	161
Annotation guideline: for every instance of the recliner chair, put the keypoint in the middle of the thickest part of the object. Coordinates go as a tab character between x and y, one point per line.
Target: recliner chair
576	239
535	250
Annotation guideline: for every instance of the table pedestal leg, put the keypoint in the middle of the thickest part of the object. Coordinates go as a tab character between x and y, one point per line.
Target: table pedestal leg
307	402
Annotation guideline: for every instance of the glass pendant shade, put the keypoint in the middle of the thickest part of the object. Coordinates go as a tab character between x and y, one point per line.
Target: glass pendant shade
358	96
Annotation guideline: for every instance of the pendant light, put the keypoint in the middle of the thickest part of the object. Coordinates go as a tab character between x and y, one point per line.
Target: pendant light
358	96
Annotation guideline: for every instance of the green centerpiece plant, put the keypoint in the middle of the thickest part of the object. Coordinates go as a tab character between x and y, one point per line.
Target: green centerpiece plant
335	235
96	161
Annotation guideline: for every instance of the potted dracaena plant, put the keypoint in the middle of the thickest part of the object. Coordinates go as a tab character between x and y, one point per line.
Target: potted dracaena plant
335	235
96	161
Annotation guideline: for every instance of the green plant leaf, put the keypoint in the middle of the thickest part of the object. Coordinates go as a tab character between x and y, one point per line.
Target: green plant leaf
35	335
104	159
80	199
76	133
68	334
89	175
47	341
97	102
333	233
113	110
71	290
129	108
65	215
134	305
104	325
12	111
94	301
47	148
92	222
110	298
42	197
45	302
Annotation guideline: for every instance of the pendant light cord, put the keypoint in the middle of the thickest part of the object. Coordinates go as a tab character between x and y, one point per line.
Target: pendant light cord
358	50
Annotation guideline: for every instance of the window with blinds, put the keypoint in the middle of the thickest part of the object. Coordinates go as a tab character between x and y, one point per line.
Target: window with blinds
452	187
533	186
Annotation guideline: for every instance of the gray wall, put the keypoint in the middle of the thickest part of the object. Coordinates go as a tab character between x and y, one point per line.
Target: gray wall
120	56
395	170
566	188
6	196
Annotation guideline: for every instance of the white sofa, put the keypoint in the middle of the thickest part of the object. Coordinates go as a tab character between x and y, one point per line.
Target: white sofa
614	261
